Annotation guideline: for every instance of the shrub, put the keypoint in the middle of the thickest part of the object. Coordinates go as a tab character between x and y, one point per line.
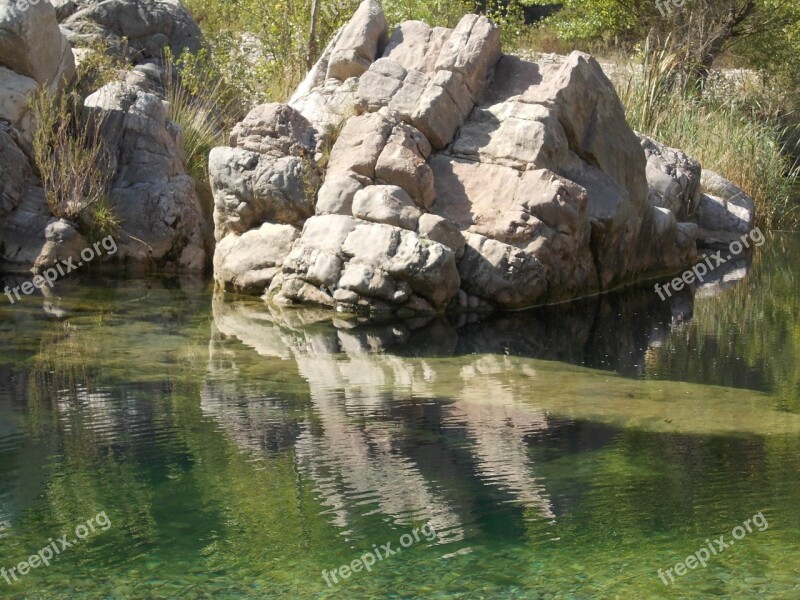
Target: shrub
75	167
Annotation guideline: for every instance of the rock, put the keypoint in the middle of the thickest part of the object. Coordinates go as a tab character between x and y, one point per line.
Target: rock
673	178
249	262
138	29
16	173
386	204
32	45
441	230
404	162
492	269
62	243
23	231
472	51
416	45
718	214
360	42
274	129
16	93
325	103
153	197
738	202
459	177
336	195
251	189
359	146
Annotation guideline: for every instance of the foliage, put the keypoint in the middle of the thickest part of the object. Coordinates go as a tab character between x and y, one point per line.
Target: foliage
98	66
717	132
261	50
72	159
202	104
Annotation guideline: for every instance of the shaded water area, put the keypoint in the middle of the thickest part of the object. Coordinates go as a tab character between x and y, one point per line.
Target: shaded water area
567	452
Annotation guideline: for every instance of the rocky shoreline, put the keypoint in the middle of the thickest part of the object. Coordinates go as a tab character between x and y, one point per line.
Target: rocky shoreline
414	171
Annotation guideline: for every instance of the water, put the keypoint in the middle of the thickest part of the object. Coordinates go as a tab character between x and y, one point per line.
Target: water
238	451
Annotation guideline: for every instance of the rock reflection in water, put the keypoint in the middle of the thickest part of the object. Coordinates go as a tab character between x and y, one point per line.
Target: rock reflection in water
351	443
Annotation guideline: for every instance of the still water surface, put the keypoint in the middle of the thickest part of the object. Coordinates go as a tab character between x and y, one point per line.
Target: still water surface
238	452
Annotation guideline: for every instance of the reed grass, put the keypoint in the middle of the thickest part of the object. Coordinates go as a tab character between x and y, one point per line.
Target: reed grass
716	130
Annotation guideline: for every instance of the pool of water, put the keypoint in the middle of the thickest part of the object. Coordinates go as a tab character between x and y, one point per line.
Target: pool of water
238	451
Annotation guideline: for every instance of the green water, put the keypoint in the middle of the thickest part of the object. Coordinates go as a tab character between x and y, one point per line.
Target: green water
568	452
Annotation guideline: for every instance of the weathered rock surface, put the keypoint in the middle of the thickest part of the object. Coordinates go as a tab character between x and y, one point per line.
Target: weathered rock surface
33	53
248	263
31	43
139	30
162	224
161	220
673	178
454	176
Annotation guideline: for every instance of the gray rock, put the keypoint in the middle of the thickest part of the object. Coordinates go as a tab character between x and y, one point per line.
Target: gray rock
16	173
460	177
274	129
359	145
361	41
415	45
718	214
155	200
441	230
673	178
249	262
738	203
336	195
62	243
16	93
512	277
404	162
386	204
251	189
32	45
139	29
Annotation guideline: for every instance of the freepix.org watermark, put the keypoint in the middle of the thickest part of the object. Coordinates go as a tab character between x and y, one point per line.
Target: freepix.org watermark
55	548
49	276
701	269
368	560
712	548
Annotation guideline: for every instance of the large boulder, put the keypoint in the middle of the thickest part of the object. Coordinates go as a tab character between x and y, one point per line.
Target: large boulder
139	30
33	54
268	174
454	176
31	43
248	263
162	223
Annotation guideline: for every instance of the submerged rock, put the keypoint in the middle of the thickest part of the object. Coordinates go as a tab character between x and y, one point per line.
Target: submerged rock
451	175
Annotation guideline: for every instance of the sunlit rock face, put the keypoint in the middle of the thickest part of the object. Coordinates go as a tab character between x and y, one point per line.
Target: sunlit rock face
437	173
162	224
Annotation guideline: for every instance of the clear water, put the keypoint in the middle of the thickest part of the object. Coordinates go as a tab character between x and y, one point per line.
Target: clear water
570	452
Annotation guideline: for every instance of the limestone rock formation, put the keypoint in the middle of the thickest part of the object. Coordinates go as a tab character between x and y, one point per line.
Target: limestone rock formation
673	178
33	53
154	198
162	223
425	170
137	29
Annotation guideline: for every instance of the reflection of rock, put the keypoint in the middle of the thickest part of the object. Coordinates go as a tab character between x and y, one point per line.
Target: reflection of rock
350	450
724	277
